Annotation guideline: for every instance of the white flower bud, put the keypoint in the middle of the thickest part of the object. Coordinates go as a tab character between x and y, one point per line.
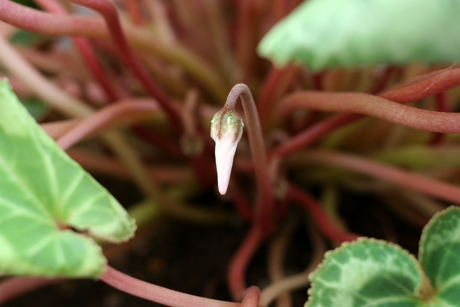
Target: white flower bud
226	131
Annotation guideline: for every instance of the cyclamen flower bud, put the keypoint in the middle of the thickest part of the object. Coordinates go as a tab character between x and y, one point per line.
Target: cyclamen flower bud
226	131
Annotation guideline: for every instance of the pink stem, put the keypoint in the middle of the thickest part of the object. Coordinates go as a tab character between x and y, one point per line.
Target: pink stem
134	11
251	297
441	190
107	117
442	105
49	24
240	261
109	12
325	224
263	212
274	86
423	87
241	204
156	293
86	51
366	104
313	134
88	55
16	286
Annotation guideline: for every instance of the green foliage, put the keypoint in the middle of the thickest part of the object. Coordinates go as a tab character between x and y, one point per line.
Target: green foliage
42	193
344	33
376	273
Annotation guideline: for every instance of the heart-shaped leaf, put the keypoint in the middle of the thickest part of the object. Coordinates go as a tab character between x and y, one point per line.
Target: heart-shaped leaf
375	273
366	273
42	194
343	33
439	255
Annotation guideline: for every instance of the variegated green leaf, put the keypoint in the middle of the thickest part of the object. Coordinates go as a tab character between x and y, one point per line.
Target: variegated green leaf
440	255
42	193
366	273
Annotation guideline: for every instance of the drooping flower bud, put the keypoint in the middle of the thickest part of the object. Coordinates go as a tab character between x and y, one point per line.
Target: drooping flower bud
226	131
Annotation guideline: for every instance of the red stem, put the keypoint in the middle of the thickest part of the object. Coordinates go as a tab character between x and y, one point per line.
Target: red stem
108	11
86	51
105	118
441	190
423	87
240	261
325	224
265	203
442	105
366	104
156	293
132	6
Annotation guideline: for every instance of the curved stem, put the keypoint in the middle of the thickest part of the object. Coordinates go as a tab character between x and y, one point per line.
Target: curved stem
102	164
325	224
49	92
422	87
240	261
264	208
276	256
106	118
298	280
86	51
60	25
399	177
156	293
441	122
109	12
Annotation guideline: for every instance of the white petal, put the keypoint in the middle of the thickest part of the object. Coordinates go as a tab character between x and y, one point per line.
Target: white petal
225	151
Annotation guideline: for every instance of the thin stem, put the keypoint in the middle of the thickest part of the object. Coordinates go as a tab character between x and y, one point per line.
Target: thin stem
396	176
441	122
220	38
57	128
156	293
324	222
108	117
98	163
134	11
274	86
298	280
29	76
264	208
240	262
108	11
422	87
276	256
86	51
59	25
247	28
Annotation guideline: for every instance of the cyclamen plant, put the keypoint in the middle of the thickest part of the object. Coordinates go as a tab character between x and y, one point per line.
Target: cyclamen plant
181	58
